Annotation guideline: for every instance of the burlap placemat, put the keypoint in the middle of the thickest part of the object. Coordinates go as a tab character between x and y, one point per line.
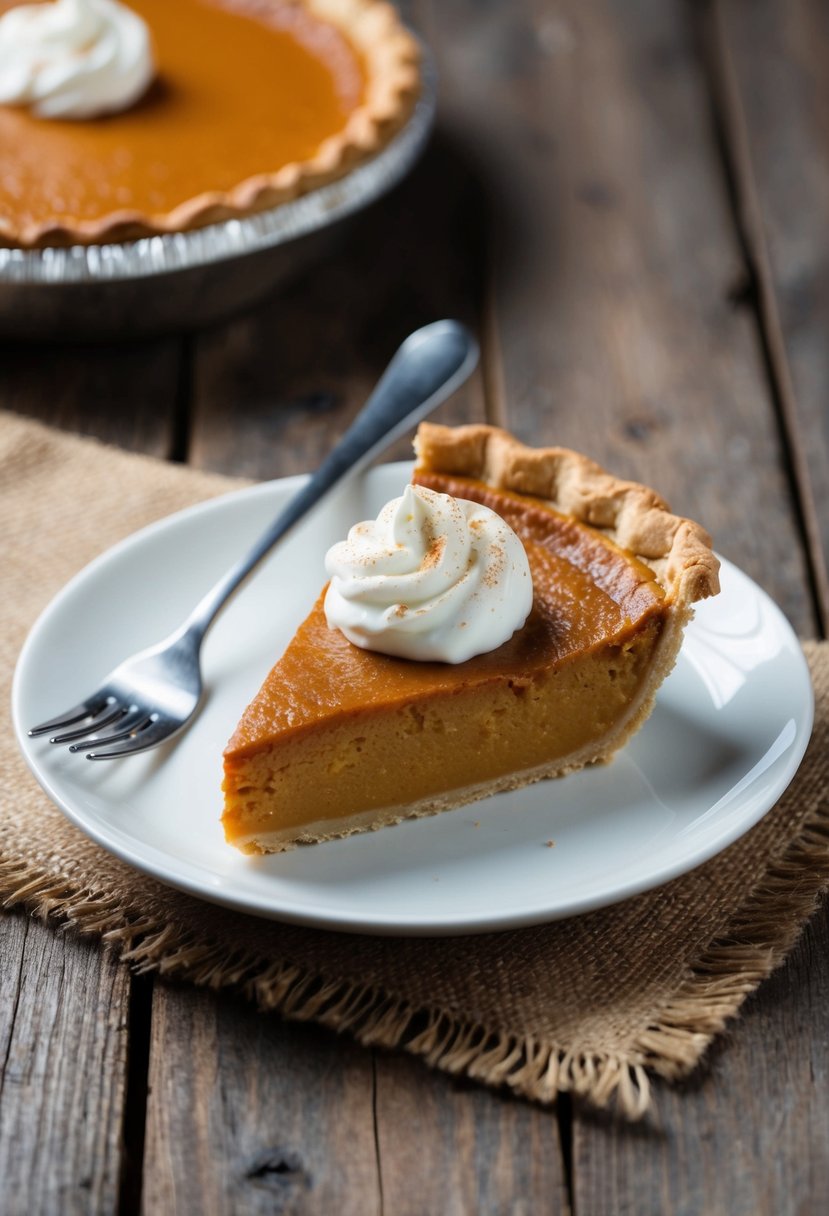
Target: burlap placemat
589	1005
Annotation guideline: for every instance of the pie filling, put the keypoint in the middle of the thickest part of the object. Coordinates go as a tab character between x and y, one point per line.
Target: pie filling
424	756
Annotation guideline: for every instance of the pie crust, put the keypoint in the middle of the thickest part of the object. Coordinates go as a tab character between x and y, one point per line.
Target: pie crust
340	740
389	58
633	516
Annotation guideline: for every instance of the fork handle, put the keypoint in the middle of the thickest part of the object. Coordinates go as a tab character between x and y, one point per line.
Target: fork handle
427	368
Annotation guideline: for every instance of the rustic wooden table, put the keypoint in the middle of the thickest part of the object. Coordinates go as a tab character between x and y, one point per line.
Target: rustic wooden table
629	201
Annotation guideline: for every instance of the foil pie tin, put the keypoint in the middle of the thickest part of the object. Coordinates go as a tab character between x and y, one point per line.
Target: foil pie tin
179	281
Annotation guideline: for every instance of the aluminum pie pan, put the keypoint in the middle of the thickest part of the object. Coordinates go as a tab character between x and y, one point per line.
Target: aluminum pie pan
189	278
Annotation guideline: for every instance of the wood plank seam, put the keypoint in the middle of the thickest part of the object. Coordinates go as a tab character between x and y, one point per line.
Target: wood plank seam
376	1129
564	1116
136	1093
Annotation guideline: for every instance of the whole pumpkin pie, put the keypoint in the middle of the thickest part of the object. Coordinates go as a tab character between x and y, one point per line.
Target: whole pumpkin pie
252	102
340	739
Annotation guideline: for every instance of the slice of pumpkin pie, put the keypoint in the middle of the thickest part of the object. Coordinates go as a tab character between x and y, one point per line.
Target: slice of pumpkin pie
445	661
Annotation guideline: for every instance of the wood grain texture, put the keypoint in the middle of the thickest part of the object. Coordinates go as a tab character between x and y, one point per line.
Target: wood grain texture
772	63
125	394
248	1115
63	1047
616	264
453	1148
750	1135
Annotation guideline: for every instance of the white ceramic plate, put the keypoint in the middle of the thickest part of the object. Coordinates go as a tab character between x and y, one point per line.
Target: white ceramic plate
729	730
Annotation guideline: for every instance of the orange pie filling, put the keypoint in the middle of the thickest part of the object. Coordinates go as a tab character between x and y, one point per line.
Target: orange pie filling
340	739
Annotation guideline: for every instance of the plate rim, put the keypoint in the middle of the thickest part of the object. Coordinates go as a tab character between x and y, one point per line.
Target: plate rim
376	923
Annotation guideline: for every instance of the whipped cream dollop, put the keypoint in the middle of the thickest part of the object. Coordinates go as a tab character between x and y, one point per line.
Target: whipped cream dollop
74	58
432	578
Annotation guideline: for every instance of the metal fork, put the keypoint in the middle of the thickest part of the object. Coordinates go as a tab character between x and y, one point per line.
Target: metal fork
150	697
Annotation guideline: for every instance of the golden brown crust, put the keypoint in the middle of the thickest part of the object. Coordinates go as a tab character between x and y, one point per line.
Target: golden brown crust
392	60
632	515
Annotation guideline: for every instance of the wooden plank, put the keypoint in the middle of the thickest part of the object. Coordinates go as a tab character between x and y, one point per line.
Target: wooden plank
749	1136
616	264
125	394
63	1047
771	59
248	1115
461	1150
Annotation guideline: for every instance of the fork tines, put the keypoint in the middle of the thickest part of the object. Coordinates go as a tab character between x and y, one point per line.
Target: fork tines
88	723
93	712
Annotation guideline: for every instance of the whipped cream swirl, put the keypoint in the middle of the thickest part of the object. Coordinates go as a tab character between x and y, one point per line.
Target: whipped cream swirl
432	578
74	58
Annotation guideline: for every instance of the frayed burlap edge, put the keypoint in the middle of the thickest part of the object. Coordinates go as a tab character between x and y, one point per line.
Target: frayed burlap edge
727	971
